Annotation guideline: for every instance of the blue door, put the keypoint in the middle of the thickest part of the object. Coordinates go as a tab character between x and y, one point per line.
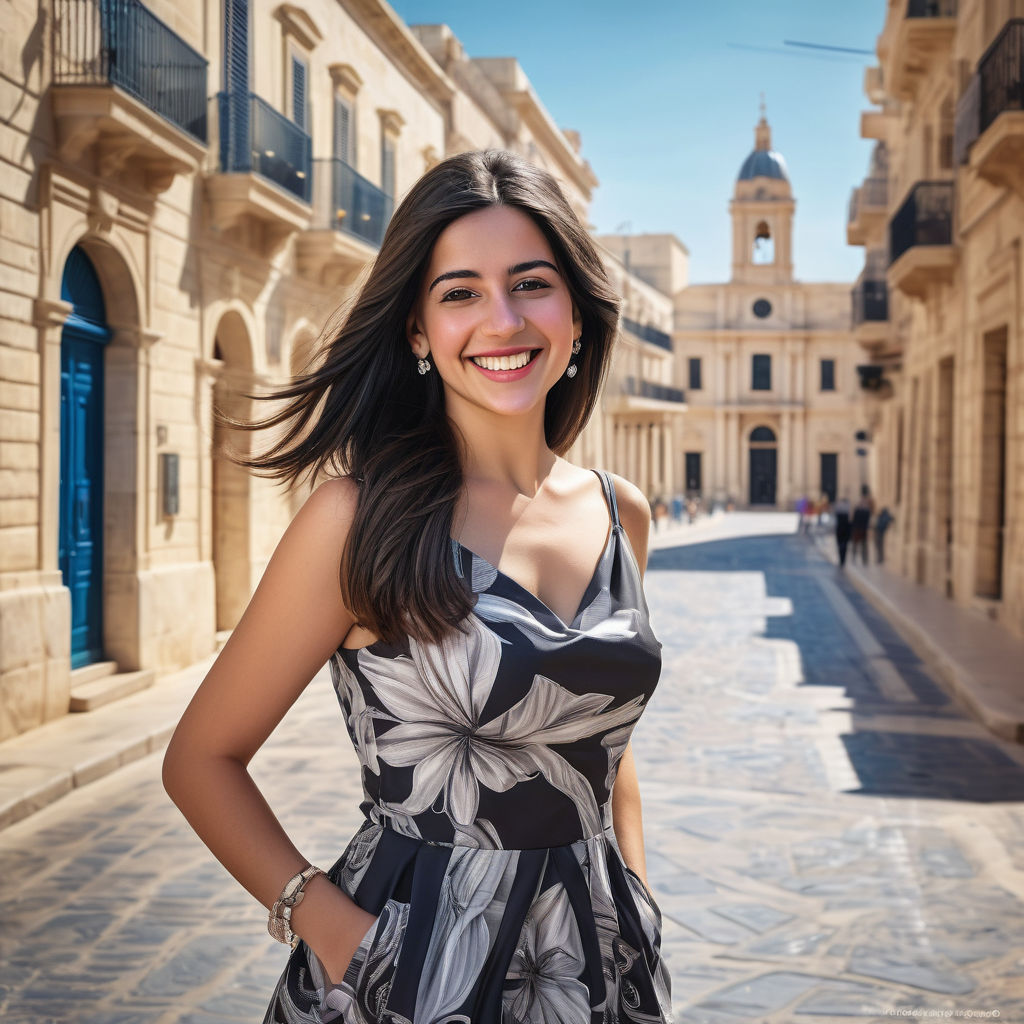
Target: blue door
80	548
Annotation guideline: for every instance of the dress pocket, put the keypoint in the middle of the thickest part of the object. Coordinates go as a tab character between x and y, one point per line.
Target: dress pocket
648	896
319	971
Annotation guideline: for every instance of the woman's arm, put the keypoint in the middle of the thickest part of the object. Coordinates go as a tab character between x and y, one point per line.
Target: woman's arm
627	811
294	622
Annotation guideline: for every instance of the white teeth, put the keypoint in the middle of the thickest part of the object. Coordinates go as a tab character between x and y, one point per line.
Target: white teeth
502	362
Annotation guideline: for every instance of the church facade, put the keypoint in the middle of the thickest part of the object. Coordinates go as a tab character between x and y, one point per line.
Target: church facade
767	363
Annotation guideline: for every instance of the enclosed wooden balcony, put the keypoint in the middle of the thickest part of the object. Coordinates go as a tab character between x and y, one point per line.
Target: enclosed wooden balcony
989	132
921	249
261	190
350	216
129	93
924	35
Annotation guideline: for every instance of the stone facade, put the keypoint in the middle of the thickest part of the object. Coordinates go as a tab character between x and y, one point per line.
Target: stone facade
176	238
767	363
938	309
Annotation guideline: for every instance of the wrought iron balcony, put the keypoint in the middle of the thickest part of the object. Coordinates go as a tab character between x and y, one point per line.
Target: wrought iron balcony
870	302
931	8
153	120
346	201
648	333
256	137
350	216
923	35
259	194
648	389
124	44
921	247
990	113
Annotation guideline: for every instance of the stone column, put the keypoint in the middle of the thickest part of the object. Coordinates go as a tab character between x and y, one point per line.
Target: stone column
785	491
667	460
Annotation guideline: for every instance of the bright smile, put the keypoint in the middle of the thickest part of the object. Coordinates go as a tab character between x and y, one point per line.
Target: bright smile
506	368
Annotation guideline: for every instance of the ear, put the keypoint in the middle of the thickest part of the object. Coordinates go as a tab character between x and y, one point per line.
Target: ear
414	333
577	321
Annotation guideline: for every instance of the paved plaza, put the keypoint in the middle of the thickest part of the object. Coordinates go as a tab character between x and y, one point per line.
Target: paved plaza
830	837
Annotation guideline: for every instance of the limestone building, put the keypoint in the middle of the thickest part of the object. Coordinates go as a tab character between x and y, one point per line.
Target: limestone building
642	411
939	309
178	219
768	363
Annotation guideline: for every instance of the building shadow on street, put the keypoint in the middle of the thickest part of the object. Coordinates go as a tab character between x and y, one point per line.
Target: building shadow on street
792	593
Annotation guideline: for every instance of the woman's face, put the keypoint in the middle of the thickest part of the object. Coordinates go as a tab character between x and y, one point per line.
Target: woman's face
492	289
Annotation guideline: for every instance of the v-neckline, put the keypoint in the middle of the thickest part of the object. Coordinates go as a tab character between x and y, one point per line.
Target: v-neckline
583	602
613	527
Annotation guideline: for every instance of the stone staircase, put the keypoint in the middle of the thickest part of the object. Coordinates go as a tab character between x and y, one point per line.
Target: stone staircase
97	684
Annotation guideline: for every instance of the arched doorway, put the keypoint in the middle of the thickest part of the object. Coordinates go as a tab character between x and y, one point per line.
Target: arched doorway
80	543
762	466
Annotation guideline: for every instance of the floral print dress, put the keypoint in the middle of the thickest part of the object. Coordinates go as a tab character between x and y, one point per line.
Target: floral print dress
488	854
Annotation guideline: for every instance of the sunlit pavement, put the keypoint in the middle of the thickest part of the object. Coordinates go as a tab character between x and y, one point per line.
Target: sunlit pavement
829	838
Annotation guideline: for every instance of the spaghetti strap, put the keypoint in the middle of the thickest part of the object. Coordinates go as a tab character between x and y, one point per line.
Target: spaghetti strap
609	493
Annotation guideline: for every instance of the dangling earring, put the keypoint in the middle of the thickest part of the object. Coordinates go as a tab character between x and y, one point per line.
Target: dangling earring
423	365
576	346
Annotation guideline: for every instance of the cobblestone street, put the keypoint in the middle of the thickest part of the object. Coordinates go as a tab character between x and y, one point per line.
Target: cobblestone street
829	836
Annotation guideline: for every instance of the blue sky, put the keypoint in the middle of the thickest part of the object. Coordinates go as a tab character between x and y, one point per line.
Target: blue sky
665	95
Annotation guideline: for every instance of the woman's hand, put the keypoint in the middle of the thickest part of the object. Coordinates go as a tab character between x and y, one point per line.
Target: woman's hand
331	924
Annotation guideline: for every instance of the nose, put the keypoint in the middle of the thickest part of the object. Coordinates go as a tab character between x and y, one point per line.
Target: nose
503	319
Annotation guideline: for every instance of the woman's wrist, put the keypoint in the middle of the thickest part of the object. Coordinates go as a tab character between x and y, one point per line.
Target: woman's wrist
330	923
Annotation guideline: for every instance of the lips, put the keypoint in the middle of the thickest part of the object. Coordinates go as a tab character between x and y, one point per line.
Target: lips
509	374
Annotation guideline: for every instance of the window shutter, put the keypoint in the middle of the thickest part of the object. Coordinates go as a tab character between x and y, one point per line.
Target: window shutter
235	152
299	92
387	169
343	131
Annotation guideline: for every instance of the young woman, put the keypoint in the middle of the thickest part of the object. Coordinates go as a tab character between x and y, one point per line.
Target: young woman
480	603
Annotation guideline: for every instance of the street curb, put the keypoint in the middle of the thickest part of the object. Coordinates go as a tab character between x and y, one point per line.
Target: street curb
962	683
42	765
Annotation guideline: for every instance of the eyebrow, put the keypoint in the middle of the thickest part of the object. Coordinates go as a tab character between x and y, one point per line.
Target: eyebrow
519	268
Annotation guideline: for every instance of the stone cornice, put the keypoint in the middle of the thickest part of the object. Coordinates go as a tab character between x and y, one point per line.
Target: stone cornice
296	21
346	77
394	37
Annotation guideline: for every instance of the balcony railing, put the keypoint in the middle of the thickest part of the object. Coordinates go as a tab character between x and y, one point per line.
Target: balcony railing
870	302
122	43
648	333
255	137
1001	74
931	8
925	218
648	389
346	201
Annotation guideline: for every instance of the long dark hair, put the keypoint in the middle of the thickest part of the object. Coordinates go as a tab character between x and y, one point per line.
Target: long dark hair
360	407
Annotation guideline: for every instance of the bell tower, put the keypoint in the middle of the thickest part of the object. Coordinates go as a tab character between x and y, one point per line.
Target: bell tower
762	214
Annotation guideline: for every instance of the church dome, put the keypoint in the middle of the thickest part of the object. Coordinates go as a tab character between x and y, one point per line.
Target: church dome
763	163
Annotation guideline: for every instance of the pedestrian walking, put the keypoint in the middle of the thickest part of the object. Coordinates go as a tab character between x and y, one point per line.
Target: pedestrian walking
475	673
802	504
842	514
859	525
677	508
882	523
660	513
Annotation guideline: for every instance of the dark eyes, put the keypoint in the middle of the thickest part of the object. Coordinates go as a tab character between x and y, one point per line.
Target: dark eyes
455	296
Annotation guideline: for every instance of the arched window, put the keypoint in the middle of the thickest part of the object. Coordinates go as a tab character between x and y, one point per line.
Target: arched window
764	244
765	434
